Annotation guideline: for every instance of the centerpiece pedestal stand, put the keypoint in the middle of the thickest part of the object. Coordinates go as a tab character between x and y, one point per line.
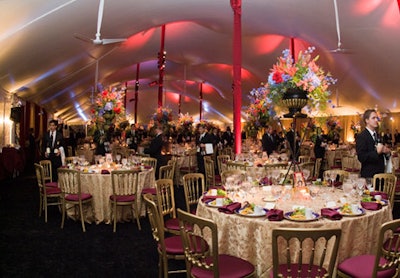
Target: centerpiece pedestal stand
295	99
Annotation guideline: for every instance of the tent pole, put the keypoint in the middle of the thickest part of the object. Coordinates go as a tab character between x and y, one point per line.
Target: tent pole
237	67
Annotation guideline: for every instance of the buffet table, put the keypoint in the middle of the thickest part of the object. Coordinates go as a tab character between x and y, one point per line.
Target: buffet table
99	185
251	237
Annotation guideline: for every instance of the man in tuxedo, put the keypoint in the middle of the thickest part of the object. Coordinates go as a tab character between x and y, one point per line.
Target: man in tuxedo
155	147
203	139
52	141
269	143
370	152
100	138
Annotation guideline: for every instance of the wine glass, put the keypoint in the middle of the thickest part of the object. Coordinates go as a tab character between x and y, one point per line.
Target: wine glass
118	158
306	174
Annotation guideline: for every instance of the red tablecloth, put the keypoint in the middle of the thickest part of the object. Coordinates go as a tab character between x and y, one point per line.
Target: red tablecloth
11	161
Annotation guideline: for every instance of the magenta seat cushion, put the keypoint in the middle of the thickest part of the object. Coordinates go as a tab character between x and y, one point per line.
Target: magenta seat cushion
124	198
53	190
172	224
393	247
362	266
173	245
229	266
51	184
284	270
74	197
152	191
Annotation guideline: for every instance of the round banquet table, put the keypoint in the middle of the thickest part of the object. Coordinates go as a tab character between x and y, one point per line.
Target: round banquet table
251	237
99	185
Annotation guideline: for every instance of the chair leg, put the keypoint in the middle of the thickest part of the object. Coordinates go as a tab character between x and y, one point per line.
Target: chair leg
136	214
63	215
40	205
160	266
82	217
45	210
115	218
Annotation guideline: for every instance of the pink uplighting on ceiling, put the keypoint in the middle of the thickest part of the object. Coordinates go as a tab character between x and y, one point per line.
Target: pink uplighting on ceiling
391	18
139	40
266	44
366	7
172	97
207	89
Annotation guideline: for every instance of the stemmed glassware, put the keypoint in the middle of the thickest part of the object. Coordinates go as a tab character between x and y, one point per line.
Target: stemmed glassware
306	174
118	158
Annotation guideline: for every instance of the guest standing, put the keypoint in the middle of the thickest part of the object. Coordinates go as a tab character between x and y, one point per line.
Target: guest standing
370	152
320	149
268	141
203	139
52	141
154	150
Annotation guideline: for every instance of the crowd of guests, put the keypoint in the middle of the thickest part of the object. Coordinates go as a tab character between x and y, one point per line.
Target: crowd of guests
155	139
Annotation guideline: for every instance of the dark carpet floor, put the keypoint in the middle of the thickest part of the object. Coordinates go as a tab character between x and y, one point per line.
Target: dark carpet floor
29	247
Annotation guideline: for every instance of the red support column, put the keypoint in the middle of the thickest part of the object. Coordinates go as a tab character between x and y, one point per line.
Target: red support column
201	101
161	67
237	74
137	90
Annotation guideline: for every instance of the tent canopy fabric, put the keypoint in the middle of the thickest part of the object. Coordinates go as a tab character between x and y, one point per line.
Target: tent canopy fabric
43	58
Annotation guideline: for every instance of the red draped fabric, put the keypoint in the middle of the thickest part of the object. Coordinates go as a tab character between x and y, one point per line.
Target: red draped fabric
237	75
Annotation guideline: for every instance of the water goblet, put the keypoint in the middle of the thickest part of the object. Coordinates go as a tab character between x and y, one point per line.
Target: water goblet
118	158
306	174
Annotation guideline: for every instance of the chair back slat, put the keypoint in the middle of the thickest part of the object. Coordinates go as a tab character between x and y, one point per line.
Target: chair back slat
47	170
308	251
194	187
166	172
155	220
192	227
222	160
70	181
166	197
388	248
124	182
385	183
40	176
209	171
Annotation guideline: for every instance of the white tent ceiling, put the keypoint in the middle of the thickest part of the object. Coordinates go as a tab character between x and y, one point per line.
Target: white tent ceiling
42	62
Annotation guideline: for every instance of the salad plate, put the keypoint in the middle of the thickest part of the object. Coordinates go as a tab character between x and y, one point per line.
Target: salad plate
348	212
250	213
213	203
299	217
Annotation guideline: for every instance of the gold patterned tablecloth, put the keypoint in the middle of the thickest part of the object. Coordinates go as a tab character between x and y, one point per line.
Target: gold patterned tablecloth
99	185
251	238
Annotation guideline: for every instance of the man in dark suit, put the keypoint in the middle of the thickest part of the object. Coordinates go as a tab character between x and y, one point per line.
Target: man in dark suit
370	152
269	143
52	141
203	139
154	150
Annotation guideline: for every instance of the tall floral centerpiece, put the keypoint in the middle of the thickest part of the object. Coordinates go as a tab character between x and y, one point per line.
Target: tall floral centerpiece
259	112
163	116
108	106
185	124
299	83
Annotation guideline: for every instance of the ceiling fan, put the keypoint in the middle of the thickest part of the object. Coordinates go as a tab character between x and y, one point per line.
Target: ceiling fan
339	48
98	40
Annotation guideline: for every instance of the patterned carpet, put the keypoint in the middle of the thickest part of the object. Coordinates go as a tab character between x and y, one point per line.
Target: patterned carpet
29	247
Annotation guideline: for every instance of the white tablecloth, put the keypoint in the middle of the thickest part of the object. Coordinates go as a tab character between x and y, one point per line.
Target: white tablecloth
251	238
99	185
